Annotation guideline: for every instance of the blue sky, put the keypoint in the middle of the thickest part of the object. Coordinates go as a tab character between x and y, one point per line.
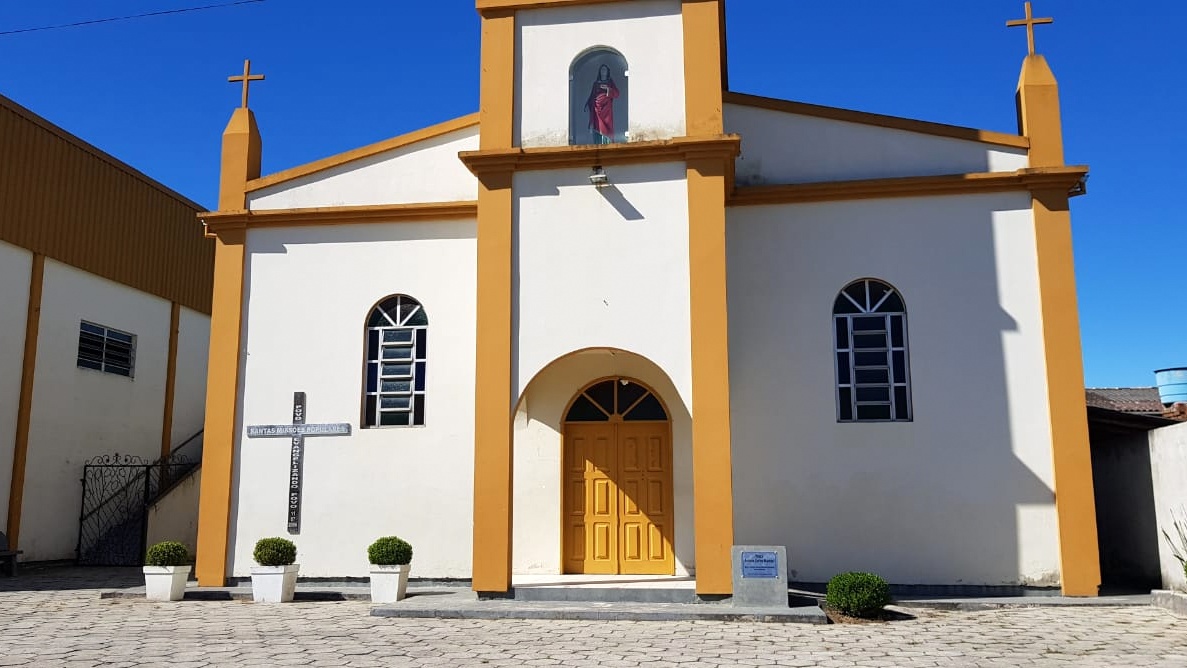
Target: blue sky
342	74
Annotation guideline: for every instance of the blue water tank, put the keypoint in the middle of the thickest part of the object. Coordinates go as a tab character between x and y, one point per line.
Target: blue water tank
1172	384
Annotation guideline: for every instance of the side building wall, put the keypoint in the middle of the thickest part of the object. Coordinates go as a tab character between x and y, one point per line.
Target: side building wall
963	493
79	413
1168	463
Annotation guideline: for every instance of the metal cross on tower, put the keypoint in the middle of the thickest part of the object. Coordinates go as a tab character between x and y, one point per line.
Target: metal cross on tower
1030	22
248	77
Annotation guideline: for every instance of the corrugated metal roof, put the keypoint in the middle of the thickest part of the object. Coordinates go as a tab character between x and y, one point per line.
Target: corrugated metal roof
66	199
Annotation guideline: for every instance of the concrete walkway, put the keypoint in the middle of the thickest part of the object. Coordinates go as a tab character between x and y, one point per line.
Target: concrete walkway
459	602
56	617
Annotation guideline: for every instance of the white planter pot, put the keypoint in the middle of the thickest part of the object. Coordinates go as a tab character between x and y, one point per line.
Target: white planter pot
273	584
165	583
388	583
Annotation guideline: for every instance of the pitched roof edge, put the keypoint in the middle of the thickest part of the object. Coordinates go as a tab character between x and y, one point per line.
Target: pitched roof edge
880	120
352	155
77	142
1099	415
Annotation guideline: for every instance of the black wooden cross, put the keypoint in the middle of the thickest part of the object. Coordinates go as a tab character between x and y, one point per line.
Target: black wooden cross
298	430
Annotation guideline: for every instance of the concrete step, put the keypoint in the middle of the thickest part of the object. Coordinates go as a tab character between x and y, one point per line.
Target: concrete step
603	594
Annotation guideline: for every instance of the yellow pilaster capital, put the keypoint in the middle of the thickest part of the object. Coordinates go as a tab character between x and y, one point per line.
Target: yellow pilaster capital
242	152
1038	112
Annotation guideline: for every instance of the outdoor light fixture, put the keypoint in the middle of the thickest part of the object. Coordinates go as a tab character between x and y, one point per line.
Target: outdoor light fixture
598	178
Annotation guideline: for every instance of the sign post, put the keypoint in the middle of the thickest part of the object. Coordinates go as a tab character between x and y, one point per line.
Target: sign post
760	576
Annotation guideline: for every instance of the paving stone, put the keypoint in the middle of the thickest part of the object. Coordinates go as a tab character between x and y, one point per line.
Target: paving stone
57	618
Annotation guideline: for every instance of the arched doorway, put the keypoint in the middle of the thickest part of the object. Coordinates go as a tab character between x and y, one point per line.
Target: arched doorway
617	468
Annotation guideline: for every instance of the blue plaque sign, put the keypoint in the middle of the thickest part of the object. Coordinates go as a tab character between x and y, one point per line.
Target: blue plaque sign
760	565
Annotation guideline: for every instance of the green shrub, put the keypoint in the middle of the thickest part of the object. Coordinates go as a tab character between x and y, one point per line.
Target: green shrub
390	551
857	594
167	553
275	552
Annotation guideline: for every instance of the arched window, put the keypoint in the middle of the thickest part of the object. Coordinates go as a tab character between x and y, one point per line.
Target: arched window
397	337
620	397
598	95
873	375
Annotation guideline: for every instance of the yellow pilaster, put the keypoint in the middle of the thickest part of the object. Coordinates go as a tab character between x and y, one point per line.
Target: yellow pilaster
240	164
492	401
713	498
1039	120
170	381
16	490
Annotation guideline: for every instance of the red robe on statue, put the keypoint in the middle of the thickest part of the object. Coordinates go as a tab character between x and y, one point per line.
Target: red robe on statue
601	107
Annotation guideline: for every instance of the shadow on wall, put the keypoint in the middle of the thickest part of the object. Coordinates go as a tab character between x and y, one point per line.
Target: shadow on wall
960	495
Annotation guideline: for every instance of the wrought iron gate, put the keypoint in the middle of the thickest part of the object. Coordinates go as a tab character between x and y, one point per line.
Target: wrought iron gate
117	492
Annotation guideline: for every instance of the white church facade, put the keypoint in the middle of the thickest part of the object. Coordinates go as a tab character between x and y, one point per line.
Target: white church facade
623	318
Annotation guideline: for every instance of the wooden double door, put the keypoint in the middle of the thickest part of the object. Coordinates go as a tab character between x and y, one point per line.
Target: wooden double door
618	487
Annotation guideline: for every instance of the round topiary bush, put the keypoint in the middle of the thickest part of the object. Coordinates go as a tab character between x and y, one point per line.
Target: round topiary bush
390	551
167	553
275	552
857	594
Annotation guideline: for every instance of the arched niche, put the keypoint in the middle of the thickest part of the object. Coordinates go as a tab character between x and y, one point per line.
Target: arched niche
599	95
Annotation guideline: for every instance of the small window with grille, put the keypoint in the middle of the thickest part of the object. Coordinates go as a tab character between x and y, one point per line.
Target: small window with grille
873	374
106	349
397	344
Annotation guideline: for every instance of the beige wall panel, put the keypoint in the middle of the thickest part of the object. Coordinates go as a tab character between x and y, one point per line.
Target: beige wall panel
79	413
175	517
189	391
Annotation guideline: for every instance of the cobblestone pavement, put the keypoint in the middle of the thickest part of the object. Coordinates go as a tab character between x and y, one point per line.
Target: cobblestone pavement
64	623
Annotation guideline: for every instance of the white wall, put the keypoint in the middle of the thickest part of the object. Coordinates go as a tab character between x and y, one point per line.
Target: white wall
426	171
1168	462
961	495
779	147
596	269
175	516
649	33
189	385
309	291
539	447
602	268
15	267
79	413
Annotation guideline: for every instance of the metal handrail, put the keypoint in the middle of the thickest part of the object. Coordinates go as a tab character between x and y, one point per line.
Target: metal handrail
165	481
160	461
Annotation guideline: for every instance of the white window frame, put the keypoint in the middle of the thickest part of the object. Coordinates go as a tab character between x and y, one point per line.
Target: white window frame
109	338
896	382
